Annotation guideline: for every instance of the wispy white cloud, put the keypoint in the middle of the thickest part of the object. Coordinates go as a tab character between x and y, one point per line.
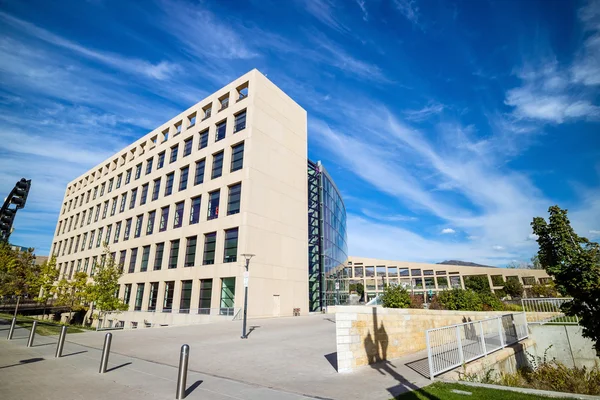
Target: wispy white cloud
586	67
424	113
409	9
447	231
325	11
387	217
363	8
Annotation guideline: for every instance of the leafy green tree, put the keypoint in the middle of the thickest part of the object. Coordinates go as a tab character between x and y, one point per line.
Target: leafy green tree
73	294
18	273
359	288
460	299
395	297
574	262
547	290
478	283
513	288
46	279
105	287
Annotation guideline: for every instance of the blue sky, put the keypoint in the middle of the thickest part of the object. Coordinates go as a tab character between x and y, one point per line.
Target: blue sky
447	125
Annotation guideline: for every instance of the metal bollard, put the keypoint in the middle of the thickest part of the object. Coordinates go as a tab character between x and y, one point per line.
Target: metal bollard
32	334
183	369
105	353
12	328
61	342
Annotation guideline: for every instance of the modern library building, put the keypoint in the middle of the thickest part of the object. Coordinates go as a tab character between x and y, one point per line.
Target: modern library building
181	208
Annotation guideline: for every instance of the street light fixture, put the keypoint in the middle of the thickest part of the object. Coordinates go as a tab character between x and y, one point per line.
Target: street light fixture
247	256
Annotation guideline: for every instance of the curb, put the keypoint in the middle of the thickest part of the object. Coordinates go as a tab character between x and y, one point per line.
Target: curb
547	393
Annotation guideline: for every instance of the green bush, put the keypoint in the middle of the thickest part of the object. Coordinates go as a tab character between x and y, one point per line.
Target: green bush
477	283
460	299
491	302
513	288
395	297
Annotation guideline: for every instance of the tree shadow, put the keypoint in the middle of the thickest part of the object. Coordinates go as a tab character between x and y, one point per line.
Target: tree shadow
23	362
332	358
119	366
192	387
376	347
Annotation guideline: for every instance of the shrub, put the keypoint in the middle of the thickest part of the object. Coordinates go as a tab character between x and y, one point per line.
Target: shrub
512	307
477	283
513	288
491	302
395	297
416	301
548	290
435	304
460	299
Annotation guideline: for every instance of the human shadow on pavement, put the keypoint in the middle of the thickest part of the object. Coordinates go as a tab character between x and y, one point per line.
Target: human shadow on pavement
376	346
119	366
192	387
23	362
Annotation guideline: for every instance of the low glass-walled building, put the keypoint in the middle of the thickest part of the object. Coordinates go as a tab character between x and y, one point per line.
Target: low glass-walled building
327	241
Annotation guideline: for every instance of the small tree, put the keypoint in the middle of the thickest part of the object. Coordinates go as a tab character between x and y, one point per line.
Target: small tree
359	288
395	297
105	288
45	280
73	294
513	288
18	272
460	299
478	283
574	262
547	290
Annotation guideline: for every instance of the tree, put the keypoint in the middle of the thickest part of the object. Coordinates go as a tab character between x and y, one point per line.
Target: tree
574	262
460	299
73	294
547	290
46	278
513	288
359	288
105	288
478	283
535	263
18	272
395	297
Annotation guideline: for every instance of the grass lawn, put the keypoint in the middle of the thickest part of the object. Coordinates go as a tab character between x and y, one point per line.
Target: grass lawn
439	391
44	328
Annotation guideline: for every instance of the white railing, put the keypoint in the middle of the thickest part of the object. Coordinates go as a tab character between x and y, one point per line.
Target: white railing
452	346
547	311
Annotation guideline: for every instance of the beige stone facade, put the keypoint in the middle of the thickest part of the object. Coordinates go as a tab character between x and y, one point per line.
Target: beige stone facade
257	136
374	274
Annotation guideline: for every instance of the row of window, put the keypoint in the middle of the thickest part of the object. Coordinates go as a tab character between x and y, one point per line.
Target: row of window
108	236
156	264
206	111
237	163
203	297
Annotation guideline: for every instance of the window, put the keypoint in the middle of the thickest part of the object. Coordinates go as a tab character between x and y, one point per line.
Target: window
186	297
110	185
168	302
178	221
95	193
99	238
393	272
101	191
144	194
127	229
82	218
139	296
207	111
415	272
183	178
117	232
138	171
123	202
165	135
82	242
227	295
455	282
205	296
187	147
150	226
231	244
77	243
528	280
119	179
164	218
161	160
153	296
213	204
158	256
497	280
127	294
169	186
233	203
224	102
242	91
199	176
92	234
404	272
217	167
155	189
138	225
380	270
174	151
177	128
133	196
240	121
191	120
145	257
195	210
210	240
87	197
203	139
369	271
104	212
173	254
149	165
221	128
237	157
108	232
132	260
190	251
113	207
128	176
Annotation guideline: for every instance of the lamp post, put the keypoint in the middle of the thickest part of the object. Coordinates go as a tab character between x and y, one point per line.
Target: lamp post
246	278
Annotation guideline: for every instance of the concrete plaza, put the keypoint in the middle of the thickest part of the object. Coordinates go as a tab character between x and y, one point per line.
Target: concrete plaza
286	358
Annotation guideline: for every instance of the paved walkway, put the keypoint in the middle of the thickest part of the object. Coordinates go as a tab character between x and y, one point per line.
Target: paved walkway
286	358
